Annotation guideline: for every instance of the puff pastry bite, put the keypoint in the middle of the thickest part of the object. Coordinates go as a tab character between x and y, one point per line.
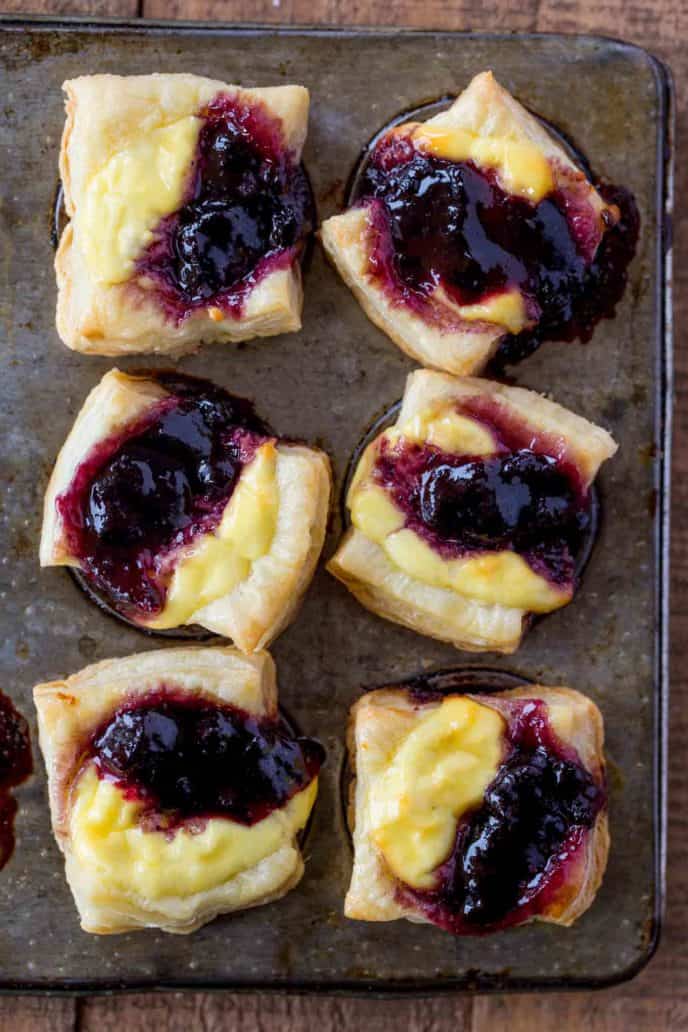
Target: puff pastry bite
469	513
188	212
176	792
180	506
476	812
476	230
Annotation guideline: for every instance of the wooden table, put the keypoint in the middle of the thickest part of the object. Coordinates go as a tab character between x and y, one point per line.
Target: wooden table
657	1000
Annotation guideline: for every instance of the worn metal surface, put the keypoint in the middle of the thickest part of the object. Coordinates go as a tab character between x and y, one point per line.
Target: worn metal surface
328	384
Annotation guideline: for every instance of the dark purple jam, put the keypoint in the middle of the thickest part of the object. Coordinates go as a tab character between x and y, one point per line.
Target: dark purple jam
163	480
437	222
527	498
16	764
512	854
247	211
189	758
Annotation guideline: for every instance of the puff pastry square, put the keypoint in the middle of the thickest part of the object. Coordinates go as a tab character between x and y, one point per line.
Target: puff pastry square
428	251
130	865
443	792
225	534
151	204
470	512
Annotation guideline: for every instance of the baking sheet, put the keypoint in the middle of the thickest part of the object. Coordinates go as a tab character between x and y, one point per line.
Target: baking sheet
328	384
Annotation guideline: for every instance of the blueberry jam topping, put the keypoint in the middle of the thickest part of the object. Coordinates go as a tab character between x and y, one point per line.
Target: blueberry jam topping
513	499
187	757
512	853
248	209
16	764
438	222
154	487
520	500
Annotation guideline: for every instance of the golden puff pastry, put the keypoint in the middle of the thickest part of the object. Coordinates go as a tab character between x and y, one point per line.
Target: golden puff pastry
151	207
468	514
453	793
179	506
140	852
447	312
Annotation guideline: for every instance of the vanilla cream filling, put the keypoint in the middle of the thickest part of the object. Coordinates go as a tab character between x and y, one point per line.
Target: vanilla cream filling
214	564
507	309
439	772
125	200
108	840
521	166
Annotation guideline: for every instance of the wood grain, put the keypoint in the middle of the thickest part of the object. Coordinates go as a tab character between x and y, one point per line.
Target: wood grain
494	14
212	1013
596	1012
40	1014
96	8
657	1001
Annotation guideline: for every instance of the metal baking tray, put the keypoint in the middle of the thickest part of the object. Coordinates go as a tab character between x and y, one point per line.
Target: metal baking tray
328	384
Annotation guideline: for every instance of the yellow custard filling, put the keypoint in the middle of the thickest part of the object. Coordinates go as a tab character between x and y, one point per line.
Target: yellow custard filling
521	166
447	429
507	309
108	840
128	196
499	578
439	772
217	562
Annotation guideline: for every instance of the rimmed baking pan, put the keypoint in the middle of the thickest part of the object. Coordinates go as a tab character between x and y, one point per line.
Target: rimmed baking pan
328	384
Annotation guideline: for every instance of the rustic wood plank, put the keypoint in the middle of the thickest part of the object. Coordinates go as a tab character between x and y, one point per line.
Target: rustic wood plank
96	8
605	1012
598	1012
441	14
214	1012
38	1014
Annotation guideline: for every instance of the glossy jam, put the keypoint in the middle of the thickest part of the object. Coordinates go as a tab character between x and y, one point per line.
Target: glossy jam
248	210
161	482
528	498
512	854
438	222
187	757
16	764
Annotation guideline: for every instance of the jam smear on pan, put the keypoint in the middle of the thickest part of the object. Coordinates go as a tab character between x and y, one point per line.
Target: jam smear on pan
248	210
16	764
436	222
528	497
512	854
187	757
155	486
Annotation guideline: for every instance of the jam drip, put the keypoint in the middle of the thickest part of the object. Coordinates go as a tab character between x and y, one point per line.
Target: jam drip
249	208
154	487
512	854
437	222
16	764
520	500
186	757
